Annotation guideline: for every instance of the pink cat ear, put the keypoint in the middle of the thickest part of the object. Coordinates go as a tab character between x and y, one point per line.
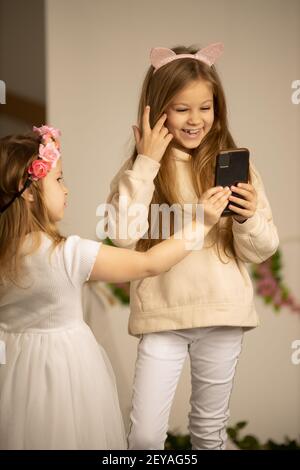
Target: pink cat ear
210	53
160	56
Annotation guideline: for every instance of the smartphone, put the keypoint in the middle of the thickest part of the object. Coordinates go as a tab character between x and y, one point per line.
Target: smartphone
232	167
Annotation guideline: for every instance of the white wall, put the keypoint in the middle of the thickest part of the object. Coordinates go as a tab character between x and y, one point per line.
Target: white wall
97	55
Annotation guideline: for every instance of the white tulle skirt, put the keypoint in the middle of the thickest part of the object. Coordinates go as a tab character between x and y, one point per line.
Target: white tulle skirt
58	391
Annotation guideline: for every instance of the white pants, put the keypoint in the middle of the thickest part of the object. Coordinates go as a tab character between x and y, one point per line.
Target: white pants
214	353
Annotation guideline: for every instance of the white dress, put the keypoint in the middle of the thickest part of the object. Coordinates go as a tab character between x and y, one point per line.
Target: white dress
57	386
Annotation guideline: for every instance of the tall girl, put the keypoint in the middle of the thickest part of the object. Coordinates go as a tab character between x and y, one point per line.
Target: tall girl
202	306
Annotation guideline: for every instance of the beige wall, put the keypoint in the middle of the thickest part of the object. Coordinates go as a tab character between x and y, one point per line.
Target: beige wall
97	55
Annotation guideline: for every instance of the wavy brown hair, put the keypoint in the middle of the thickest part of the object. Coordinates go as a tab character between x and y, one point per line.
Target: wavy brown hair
158	91
17	152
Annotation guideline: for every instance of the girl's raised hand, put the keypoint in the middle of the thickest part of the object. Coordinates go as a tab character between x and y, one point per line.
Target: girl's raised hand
152	142
214	201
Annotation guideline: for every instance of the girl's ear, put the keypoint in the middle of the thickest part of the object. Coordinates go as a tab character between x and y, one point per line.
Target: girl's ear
27	195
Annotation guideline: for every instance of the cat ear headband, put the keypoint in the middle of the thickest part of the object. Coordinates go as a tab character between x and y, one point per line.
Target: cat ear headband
160	56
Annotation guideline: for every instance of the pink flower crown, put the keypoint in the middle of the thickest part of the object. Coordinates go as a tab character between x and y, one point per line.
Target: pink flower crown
49	152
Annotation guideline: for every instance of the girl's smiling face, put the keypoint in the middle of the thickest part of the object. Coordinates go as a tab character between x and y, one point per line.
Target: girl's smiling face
190	114
55	192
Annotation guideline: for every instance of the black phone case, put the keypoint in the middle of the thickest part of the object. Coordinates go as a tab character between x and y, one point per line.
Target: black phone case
232	167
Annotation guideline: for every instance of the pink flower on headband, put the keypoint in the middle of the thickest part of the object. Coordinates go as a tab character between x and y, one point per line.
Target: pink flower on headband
39	169
49	153
48	131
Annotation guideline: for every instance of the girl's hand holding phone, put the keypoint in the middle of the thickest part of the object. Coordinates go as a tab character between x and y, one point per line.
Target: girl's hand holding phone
248	203
214	201
152	142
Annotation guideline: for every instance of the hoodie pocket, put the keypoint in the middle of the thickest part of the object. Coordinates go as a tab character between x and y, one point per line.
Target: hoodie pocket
200	278
142	288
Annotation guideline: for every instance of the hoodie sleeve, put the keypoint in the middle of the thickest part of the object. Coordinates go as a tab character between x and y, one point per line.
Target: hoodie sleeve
131	193
256	239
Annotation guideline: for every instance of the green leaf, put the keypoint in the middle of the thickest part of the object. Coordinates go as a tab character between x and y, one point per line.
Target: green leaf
255	275
232	433
241	424
250	443
108	241
120	294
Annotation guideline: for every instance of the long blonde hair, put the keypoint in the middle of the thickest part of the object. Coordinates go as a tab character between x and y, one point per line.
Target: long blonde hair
158	90
17	152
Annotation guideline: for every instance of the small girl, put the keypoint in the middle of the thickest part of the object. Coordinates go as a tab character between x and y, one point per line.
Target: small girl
57	387
201	306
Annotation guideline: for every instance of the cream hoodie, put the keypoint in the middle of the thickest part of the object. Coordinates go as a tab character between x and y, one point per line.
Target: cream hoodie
200	291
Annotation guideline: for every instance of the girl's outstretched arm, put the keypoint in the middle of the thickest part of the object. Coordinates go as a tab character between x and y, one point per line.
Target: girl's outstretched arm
119	264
